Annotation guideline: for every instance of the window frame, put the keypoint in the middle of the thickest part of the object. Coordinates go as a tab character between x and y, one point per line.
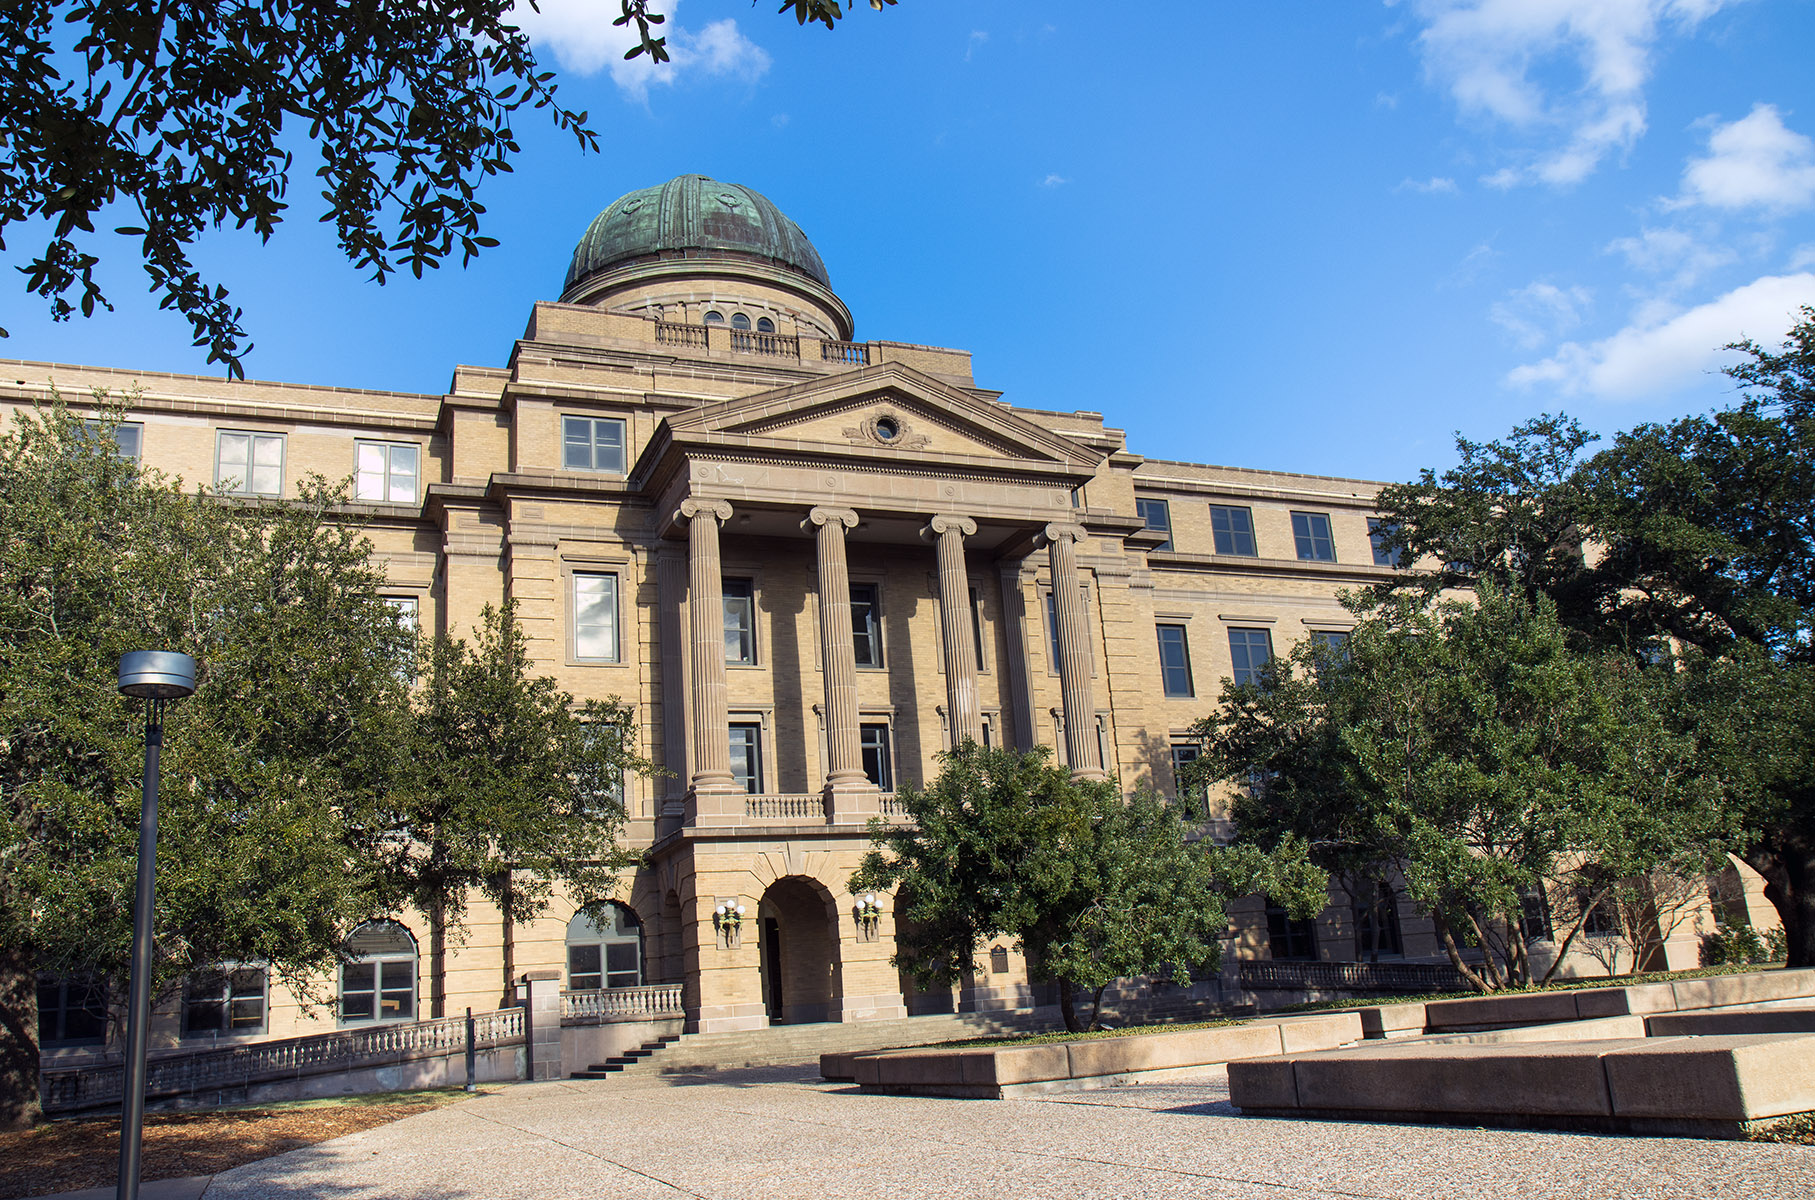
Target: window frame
92	1004
379	990
1252	669
1224	541
728	587
765	325
254	435
93	427
1170	686
1297	935
884	749
1145	506
872	635
387	449
592	444
1309	540
574	624
1180	753
594	937
752	781
228	1000
1378	530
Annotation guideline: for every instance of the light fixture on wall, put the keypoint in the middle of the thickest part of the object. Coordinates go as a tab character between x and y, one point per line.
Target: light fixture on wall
868	912
728	920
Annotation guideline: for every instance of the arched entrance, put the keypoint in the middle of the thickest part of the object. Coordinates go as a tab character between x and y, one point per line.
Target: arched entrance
797	929
919	1003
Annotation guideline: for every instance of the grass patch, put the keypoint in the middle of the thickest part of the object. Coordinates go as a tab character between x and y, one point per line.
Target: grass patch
1048	1038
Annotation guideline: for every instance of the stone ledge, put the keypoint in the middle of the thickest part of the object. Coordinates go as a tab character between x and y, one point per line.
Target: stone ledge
995	1072
1716	1086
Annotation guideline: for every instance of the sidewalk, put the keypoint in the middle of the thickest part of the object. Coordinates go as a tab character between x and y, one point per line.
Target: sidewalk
781	1132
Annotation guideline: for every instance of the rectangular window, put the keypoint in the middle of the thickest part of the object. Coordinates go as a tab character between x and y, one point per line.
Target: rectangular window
128	438
1233	530
595	617
1534	915
71	1011
747	755
740	622
1602	920
250	464
1249	652
1377	924
1052	630
383	990
866	624
386	471
877	761
1378	532
1195	796
1288	938
593	444
408	611
977	629
228	1001
1311	532
1332	643
584	968
1175	663
1158	517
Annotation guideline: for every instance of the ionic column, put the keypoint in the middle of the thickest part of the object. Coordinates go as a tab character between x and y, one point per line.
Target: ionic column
710	723
1074	650
955	621
671	594
839	652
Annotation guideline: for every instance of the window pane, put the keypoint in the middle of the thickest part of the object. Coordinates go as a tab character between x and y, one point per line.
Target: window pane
739	321
576	444
595	606
876	764
130	440
740	622
608	446
403	474
1378	531
715	318
746	756
621	965
235	455
864	626
583	973
397	997
1175	662
1233	530
1249	651
1158	516
1311	532
765	325
357	982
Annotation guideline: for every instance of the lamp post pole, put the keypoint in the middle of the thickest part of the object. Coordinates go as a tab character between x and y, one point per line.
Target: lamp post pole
156	677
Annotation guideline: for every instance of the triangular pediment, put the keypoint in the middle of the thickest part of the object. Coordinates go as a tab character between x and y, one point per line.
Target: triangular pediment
883	410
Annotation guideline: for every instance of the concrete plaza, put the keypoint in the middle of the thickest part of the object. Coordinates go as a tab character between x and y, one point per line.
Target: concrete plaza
782	1132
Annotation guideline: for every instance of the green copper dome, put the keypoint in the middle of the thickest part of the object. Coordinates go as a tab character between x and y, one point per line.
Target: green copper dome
692	216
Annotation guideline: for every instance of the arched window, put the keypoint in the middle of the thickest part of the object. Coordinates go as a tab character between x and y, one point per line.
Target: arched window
607	952
740	321
765	325
379	983
715	317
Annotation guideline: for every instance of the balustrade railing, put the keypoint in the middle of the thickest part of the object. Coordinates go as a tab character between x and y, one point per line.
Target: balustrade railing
809	806
624	1003
1285	975
670	333
892	805
855	353
188	1072
746	341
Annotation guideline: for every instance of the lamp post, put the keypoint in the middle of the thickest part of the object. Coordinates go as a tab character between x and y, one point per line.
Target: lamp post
156	677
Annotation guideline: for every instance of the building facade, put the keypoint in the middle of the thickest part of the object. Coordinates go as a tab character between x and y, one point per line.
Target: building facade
811	563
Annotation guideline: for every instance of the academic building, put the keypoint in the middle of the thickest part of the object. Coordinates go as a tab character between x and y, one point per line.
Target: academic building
811	561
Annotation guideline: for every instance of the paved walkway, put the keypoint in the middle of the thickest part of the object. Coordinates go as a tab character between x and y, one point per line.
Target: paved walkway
783	1133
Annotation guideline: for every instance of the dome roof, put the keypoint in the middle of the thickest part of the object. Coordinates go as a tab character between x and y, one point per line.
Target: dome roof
692	216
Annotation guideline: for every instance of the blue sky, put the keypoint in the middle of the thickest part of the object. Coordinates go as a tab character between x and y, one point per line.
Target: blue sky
1307	236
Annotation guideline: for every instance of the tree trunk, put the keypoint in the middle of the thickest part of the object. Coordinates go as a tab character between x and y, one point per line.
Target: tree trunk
1455	955
19	1104
1096	1006
438	958
1067	1009
507	914
1787	862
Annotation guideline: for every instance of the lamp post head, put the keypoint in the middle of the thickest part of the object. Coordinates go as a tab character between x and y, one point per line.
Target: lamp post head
156	675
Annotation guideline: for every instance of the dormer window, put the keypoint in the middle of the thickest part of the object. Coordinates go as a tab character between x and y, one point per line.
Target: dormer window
740	321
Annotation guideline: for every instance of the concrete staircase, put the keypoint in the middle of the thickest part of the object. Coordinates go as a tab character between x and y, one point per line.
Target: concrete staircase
782	1045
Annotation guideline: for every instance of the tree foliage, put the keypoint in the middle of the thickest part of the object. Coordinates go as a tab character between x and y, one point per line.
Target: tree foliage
1464	750
1093	887
177	117
1692	539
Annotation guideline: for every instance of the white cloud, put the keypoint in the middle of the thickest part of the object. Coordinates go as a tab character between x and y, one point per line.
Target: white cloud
1754	162
1435	184
977	38
1492	55
1539	312
1672	252
1803	257
1054	180
1658	355
583	40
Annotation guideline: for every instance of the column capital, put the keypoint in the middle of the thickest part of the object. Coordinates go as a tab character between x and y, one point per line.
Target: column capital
695	506
947	523
825	516
1060	531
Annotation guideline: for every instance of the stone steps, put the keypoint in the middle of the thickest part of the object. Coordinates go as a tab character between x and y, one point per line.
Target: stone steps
780	1045
618	1062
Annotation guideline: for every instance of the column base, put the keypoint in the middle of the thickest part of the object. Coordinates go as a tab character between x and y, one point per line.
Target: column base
885	1007
714	802
848	802
727	1018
